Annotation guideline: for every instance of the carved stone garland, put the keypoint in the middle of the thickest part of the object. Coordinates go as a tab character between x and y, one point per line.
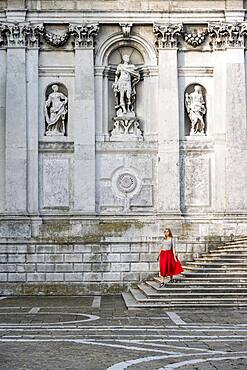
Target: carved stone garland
195	39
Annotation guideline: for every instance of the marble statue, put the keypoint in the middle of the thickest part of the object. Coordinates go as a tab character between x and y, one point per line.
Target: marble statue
196	108
126	78
55	112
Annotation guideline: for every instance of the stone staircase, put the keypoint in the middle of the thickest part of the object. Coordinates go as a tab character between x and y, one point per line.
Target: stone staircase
218	279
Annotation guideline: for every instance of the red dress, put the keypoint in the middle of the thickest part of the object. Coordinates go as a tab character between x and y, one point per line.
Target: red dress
168	265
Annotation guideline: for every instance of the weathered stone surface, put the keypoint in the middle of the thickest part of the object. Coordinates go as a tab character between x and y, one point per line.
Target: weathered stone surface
78	202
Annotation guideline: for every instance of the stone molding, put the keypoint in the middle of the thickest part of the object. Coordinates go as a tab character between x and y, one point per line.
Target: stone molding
56	146
196	145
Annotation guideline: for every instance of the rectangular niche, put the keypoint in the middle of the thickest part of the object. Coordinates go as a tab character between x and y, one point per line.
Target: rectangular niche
55	184
196	181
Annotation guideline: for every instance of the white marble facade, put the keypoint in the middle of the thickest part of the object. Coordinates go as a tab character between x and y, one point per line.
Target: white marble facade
115	127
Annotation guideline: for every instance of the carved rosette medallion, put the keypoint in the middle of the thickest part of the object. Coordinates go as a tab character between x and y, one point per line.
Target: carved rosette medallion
126	184
167	35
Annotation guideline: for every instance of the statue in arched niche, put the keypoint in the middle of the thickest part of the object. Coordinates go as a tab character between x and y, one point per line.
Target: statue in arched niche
55	112
196	108
126	78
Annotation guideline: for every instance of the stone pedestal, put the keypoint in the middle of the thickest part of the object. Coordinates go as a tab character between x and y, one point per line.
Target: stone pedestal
126	129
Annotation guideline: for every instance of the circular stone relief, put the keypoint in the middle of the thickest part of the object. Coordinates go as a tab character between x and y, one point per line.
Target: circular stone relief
126	183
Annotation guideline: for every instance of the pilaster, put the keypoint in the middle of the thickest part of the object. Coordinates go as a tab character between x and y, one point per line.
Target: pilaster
16	128
228	40
168	132
32	60
84	105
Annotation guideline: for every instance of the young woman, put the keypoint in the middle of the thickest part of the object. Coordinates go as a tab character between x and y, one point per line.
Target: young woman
169	263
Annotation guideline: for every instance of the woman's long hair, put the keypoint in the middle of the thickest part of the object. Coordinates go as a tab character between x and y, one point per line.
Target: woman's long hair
170	232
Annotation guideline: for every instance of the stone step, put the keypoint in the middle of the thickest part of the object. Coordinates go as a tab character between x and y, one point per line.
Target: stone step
165	293
207	280
211	288
241	254
216	264
220	260
229	250
142	298
132	304
209	273
215	268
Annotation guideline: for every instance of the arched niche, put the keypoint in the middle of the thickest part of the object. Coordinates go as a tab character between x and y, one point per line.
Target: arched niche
115	59
108	57
56	109
195	110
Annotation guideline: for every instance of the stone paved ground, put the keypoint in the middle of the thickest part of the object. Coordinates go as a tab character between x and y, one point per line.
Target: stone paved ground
98	333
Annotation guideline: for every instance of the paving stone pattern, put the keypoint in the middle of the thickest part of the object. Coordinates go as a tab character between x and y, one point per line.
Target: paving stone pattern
49	333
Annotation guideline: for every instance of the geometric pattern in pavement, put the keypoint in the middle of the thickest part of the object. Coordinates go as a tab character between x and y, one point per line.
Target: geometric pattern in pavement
109	337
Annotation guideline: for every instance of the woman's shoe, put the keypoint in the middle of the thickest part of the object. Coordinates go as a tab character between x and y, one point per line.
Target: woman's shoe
162	284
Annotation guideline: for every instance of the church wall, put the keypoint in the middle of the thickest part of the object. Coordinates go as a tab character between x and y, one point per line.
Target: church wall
88	204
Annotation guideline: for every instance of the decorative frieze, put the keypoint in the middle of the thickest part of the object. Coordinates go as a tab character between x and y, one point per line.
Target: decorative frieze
167	35
225	35
84	35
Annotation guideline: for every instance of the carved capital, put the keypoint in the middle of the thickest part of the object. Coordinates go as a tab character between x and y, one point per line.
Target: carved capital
167	35
3	39
225	35
33	35
20	34
16	34
84	35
